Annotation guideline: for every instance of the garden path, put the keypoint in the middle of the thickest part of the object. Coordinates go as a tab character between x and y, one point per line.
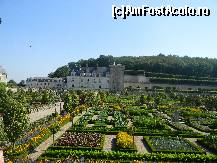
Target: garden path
130	123
195	130
140	146
108	143
163	115
191	128
43	113
110	118
194	141
43	146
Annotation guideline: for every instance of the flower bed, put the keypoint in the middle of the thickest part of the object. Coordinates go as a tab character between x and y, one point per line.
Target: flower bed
124	142
32	142
171	145
79	141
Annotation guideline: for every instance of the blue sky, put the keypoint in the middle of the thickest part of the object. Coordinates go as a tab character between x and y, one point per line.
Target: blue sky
61	31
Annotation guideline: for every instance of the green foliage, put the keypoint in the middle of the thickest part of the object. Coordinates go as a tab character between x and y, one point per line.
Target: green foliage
120	119
210	141
171	64
12	83
60	72
182	81
15	119
128	156
71	100
148	122
137	111
54	128
171	145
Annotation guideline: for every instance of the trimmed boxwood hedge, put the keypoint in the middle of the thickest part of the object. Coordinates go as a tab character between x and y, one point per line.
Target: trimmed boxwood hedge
114	131
177	157
130	150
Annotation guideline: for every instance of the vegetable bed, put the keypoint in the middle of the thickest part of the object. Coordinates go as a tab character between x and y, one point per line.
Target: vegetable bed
171	145
210	142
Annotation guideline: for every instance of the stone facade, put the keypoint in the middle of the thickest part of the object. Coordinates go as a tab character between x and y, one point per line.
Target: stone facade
110	78
3	75
92	78
45	83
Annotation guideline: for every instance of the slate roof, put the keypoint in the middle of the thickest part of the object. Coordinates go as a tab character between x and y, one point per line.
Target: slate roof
101	70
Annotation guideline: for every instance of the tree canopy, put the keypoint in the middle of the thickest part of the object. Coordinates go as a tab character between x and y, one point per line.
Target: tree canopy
171	64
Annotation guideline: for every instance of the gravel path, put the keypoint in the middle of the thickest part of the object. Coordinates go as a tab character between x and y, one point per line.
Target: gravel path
130	123
43	146
43	113
95	117
195	130
109	142
140	146
110	118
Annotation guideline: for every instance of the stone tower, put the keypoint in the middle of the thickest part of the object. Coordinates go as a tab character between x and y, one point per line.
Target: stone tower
116	79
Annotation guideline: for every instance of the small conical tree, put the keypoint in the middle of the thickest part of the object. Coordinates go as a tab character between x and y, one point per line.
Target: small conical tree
54	129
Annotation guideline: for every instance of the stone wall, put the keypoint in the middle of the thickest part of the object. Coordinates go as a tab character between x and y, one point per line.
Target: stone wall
84	82
135	79
151	85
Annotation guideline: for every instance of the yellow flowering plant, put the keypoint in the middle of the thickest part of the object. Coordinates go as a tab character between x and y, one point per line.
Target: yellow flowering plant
124	140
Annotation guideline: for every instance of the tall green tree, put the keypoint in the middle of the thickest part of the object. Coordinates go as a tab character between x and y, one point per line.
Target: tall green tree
60	72
15	119
71	100
12	83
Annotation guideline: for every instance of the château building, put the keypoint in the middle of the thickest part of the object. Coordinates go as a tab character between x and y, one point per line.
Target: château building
110	78
45	83
89	78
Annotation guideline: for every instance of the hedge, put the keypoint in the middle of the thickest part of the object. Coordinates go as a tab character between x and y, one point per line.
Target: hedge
181	157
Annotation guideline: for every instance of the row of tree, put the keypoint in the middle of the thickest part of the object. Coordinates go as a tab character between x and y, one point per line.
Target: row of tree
15	107
208	102
171	64
72	99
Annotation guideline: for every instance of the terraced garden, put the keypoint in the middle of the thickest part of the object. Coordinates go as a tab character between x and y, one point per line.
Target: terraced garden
116	128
